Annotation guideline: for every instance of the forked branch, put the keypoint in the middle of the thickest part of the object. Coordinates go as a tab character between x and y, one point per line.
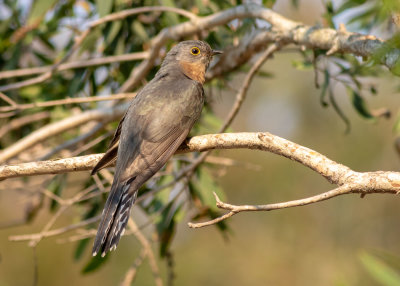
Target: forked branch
347	180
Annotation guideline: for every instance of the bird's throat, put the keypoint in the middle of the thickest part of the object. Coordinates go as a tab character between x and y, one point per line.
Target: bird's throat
195	71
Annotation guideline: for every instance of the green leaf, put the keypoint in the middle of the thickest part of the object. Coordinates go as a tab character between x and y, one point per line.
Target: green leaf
94	263
339	111
113	32
80	248
329	14
104	7
209	123
39	9
373	90
140	31
295	3
59	112
302	65
203	9
166	226
170	18
396	126
390	259
31	92
265	74
205	185
395	69
324	88
379	271
349	4
56	186
360	105
90	42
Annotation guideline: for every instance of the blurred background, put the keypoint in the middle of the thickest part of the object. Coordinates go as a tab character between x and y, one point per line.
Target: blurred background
342	241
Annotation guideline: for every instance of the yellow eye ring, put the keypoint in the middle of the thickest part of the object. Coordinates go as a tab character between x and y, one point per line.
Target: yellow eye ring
195	51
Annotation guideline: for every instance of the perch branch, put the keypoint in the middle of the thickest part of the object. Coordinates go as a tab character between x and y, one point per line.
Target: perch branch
348	181
334	172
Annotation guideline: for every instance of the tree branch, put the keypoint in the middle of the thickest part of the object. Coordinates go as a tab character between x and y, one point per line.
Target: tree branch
348	181
334	172
104	114
67	100
75	65
282	29
233	209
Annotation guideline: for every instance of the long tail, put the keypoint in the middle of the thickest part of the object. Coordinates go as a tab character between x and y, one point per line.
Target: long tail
115	217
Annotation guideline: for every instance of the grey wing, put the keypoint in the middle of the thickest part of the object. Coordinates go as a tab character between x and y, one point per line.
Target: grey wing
156	133
111	155
153	151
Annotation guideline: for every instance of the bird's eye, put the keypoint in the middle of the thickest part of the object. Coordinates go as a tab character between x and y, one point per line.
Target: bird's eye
195	51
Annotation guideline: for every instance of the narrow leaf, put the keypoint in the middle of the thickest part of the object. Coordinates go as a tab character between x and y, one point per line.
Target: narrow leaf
360	105
94	263
379	271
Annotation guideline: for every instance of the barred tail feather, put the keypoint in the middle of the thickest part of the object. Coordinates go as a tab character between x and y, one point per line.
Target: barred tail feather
114	219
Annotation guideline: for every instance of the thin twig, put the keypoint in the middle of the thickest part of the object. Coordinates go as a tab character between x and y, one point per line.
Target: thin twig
241	95
234	209
130	12
169	259
74	141
149	251
131	273
74	65
65	204
35	266
54	232
34	241
7	99
66	101
22	121
52	129
92	143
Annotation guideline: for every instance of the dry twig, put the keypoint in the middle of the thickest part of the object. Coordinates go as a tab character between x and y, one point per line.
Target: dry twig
75	65
149	251
67	100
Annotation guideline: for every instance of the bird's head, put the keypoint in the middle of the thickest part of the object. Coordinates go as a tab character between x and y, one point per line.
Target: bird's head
193	58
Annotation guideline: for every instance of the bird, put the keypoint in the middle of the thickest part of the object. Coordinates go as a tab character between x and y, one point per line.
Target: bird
157	121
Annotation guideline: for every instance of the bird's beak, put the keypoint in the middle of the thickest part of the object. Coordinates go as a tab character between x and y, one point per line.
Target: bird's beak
215	52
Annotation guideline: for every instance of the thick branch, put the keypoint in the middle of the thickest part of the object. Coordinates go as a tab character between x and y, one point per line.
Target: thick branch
334	172
282	29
